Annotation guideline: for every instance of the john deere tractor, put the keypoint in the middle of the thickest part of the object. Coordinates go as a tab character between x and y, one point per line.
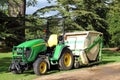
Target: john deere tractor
41	55
64	51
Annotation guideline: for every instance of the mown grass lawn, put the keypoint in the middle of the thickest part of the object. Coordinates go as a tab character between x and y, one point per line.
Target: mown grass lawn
110	57
5	60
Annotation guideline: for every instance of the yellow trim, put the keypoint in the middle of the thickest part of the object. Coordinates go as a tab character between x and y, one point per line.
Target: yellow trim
38	44
67	59
43	67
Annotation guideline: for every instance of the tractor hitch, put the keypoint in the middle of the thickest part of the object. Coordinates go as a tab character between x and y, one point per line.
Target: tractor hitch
16	67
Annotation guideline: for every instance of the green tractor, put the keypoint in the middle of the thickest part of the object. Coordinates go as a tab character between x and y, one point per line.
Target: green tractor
66	51
41	54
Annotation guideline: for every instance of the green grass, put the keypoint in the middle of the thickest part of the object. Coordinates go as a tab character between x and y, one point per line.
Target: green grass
5	60
110	57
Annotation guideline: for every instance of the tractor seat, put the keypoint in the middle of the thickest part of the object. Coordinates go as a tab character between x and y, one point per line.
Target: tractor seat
53	40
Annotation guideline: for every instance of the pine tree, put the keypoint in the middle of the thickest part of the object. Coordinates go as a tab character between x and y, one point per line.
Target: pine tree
81	15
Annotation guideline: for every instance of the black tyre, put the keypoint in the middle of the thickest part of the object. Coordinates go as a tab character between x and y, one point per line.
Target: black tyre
40	66
66	60
76	65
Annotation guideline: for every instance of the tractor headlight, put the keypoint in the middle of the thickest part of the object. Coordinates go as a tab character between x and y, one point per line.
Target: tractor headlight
19	51
25	51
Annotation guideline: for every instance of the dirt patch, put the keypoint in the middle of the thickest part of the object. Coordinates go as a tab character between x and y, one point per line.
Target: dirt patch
103	72
112	49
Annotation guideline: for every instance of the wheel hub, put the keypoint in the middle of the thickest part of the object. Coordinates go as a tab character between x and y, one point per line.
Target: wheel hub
67	59
43	67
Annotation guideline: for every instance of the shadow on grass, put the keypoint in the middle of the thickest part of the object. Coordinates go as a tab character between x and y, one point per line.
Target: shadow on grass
110	53
4	64
106	62
5	49
6	61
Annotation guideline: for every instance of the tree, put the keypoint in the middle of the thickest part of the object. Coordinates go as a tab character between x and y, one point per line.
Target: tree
81	15
16	9
113	18
13	22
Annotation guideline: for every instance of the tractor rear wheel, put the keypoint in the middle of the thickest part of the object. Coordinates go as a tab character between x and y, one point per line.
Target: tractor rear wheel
66	60
40	66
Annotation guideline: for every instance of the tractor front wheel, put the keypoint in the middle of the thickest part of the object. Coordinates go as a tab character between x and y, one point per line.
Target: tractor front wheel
40	66
66	60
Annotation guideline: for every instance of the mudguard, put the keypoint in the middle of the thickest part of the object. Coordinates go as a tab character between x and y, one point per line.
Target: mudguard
58	51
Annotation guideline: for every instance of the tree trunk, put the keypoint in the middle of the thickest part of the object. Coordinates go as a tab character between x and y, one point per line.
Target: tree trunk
16	9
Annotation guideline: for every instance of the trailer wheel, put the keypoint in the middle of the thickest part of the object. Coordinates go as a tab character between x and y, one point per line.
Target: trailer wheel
76	65
40	66
66	60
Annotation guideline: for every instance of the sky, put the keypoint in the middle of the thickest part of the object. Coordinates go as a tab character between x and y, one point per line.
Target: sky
40	4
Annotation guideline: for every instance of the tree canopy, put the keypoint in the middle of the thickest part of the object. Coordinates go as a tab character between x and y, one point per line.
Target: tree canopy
81	15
